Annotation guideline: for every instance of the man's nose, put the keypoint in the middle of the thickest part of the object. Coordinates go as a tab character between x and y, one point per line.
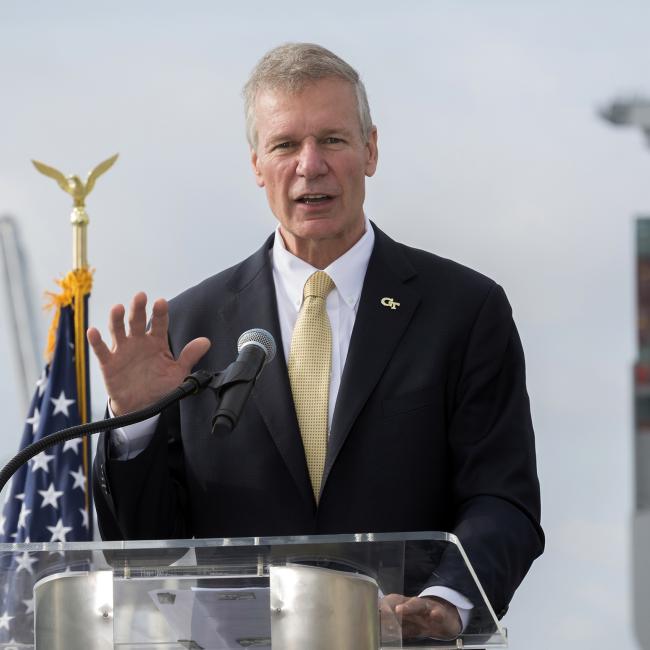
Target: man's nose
311	162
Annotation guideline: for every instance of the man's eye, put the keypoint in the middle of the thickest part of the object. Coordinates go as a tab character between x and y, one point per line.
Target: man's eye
283	145
333	140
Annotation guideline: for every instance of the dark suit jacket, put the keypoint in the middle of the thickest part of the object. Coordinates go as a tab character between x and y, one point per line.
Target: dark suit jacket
431	430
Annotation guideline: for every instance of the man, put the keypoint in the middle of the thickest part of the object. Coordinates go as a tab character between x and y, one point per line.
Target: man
397	400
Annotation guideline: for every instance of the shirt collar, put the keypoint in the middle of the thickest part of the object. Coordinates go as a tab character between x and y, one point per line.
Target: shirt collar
347	271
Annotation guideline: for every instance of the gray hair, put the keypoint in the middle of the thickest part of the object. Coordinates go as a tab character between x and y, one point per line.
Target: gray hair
293	66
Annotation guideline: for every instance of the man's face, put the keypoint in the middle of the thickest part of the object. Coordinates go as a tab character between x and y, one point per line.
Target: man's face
312	161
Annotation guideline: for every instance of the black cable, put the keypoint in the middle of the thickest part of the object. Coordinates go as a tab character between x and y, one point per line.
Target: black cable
191	385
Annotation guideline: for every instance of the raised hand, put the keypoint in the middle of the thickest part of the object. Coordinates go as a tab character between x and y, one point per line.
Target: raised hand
140	368
417	617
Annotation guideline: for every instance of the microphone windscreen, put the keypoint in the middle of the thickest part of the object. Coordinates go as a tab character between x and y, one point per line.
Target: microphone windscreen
261	338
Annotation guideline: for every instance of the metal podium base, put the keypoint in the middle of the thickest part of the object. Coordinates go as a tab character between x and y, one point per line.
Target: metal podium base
74	611
310	607
321	609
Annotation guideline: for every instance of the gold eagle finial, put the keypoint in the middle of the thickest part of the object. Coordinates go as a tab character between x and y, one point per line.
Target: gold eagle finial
73	185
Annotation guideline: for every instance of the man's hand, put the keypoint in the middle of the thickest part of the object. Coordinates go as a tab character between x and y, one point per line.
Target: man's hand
139	369
428	616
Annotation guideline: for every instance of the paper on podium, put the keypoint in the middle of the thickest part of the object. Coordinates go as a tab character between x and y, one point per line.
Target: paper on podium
217	619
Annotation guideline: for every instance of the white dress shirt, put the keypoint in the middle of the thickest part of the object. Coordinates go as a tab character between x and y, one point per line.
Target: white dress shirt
289	276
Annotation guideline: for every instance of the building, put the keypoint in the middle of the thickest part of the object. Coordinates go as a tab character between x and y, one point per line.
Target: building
641	530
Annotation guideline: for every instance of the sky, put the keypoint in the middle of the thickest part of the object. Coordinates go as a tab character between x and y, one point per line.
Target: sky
491	153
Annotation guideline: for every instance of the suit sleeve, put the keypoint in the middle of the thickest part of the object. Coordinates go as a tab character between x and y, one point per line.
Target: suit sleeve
495	485
143	498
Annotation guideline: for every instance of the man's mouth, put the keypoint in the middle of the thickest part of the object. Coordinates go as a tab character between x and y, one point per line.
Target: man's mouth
313	198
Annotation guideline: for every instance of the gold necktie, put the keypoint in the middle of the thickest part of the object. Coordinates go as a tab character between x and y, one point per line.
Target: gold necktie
310	361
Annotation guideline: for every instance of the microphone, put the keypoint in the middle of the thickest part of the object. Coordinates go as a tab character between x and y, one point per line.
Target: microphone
232	389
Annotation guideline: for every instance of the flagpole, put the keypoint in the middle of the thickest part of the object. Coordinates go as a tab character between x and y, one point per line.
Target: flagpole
76	288
79	220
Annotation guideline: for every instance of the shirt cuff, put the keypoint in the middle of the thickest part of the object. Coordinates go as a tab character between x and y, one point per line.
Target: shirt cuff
128	442
462	604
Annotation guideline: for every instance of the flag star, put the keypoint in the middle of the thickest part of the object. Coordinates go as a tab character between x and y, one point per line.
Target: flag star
12	647
30	606
50	496
79	479
59	531
72	444
61	404
4	621
84	517
41	383
22	517
40	461
25	562
21	496
34	420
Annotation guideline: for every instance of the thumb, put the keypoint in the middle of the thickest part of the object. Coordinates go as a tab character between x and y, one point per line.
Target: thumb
192	352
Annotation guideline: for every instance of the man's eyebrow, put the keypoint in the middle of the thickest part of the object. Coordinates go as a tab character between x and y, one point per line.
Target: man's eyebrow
335	130
328	130
280	135
275	138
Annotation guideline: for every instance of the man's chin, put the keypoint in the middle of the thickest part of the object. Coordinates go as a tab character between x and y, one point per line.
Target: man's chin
315	227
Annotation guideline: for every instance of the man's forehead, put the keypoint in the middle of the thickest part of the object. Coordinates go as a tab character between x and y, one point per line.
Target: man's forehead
291	93
331	102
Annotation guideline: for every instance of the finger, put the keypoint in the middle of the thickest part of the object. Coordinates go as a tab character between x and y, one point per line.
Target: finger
138	314
391	628
438	619
393	600
159	318
116	324
384	609
413	607
192	352
98	346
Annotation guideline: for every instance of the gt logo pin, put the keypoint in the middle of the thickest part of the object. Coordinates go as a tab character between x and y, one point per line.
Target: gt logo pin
389	302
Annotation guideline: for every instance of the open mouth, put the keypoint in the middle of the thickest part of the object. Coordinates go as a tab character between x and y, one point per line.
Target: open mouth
311	199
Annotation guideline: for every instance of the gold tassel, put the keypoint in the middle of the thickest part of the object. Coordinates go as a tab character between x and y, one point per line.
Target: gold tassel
75	286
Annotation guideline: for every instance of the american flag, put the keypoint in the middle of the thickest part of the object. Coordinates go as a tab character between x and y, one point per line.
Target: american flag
49	498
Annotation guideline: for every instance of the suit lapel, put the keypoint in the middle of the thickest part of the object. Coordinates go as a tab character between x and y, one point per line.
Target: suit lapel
254	305
377	331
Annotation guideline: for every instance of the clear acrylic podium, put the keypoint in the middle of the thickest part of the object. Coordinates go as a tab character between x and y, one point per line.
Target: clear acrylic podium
285	593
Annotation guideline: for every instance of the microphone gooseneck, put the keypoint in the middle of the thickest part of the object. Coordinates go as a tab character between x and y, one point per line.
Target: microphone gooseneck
232	387
194	383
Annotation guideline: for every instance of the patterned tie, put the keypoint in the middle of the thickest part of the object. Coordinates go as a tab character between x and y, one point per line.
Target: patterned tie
310	361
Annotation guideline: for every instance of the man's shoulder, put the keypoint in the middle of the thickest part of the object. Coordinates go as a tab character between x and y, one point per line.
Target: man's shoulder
431	271
220	287
431	263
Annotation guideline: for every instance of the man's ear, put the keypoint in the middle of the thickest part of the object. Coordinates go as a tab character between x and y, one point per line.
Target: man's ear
372	152
255	163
